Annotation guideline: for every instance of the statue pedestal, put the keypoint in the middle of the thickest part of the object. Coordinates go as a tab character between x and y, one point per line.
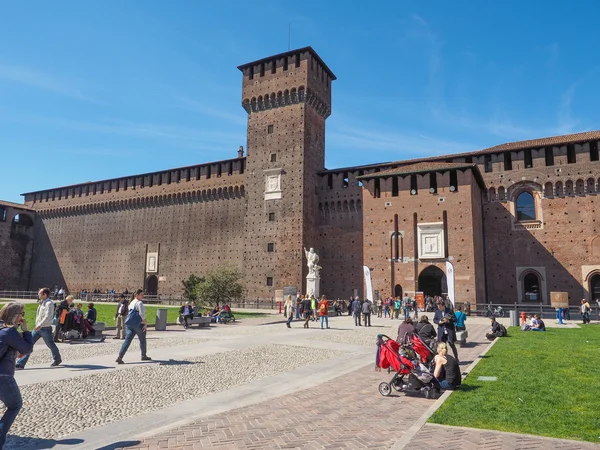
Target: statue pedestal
313	282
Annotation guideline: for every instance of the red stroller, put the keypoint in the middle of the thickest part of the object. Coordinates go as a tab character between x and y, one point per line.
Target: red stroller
411	375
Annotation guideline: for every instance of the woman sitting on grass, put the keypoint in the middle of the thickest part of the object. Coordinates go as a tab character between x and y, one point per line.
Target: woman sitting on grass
447	370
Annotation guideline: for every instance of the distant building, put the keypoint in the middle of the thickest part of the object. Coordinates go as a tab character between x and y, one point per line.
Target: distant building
512	222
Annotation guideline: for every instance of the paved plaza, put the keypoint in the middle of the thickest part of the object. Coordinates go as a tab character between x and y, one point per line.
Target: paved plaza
252	384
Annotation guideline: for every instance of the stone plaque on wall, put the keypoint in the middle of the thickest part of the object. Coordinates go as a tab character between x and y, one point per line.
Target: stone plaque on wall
273	184
431	240
559	299
152	262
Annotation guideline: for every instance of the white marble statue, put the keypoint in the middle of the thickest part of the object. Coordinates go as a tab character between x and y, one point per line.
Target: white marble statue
312	260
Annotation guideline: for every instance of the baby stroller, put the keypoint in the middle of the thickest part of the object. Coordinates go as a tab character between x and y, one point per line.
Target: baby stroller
423	351
411	375
227	316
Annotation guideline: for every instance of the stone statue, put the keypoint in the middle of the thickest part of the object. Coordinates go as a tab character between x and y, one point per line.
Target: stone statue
312	260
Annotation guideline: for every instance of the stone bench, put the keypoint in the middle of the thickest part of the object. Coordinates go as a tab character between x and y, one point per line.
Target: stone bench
201	321
99	327
461	337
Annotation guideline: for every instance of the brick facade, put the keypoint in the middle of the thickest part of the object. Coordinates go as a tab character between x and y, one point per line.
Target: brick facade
16	245
258	212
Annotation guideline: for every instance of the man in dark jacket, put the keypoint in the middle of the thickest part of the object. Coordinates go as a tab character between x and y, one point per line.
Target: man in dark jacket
185	312
444	318
357	311
120	316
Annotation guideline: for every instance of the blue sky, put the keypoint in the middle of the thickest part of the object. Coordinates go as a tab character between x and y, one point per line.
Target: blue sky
101	89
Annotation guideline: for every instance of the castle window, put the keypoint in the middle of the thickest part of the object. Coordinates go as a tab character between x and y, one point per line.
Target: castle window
488	163
262	70
271	217
528	159
219	170
270	247
297	60
188	174
270	129
229	169
207	172
151	181
242	166
330	181
269	281
251	73
454	180
274	66
525	207
469	159
3	214
413	185
549	155
594	151
571	157
395	187
273	157
285	63
178	176
433	182
507	161
377	192
345	181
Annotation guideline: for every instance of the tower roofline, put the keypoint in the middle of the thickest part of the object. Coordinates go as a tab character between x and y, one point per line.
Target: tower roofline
291	53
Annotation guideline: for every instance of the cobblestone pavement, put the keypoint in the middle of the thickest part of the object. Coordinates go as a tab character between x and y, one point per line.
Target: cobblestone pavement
347	412
434	437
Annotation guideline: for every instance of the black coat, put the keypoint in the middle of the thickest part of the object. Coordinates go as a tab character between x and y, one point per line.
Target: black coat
444	329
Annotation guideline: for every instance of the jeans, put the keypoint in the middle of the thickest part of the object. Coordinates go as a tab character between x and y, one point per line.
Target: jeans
11	397
297	312
406	313
536	329
289	321
131	332
45	334
386	311
357	319
326	320
445	385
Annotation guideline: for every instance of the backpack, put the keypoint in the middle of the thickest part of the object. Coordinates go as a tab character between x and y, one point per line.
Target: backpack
503	331
323	308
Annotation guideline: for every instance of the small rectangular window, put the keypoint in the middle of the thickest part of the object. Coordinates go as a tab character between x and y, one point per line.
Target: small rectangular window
594	151
507	161
272	217
230	168
168	177
251	73
571	158
273	157
269	281
469	159
207	172
143	181
395	187
487	163
528	158
345	180
285	63
188	174
274	66
262	70
330	181
151	181
270	247
549	155
178	176
219	170
242	166
377	192
297	60
270	129
3	214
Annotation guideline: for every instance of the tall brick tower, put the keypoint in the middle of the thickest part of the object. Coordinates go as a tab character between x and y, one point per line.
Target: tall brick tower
287	98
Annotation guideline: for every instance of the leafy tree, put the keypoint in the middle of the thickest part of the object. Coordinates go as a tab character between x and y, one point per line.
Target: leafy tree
220	285
190	287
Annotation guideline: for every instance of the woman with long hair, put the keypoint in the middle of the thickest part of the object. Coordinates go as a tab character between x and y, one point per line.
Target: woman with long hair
11	343
135	325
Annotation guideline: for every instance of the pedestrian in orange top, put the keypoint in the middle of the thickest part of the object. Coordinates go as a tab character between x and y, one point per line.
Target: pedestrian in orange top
324	311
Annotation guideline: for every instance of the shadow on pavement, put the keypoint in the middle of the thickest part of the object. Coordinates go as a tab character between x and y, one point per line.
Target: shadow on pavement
122	444
86	366
173	362
32	443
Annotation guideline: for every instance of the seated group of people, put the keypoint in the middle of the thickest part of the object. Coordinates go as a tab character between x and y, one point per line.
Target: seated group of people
189	311
71	317
534	323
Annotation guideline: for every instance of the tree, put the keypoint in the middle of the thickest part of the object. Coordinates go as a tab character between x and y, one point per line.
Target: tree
220	285
190	287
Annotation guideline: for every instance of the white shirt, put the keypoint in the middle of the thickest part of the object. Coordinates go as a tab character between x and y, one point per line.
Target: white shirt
44	314
137	304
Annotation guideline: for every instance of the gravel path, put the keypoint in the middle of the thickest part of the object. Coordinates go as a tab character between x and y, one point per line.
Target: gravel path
98	399
76	351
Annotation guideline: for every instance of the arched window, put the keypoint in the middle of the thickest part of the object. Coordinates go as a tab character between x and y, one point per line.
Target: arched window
492	194
591	186
548	188
579	187
501	193
525	207
531	288
559	189
569	188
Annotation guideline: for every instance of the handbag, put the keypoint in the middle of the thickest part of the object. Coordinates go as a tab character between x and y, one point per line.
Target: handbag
134	320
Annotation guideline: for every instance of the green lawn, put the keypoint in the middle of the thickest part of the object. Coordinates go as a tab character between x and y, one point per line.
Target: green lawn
548	384
106	313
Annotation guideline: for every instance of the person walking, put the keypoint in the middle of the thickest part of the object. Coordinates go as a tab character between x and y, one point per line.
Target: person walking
299	301
397	305
120	317
324	311
366	312
43	329
406	305
136	325
461	317
380	307
357	311
313	307
12	316
306	311
288	310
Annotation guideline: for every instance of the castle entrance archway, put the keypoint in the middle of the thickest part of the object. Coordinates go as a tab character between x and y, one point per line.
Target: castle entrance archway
432	281
152	285
398	291
595	287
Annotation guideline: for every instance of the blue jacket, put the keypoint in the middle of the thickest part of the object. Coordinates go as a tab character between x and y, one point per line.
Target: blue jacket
12	342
